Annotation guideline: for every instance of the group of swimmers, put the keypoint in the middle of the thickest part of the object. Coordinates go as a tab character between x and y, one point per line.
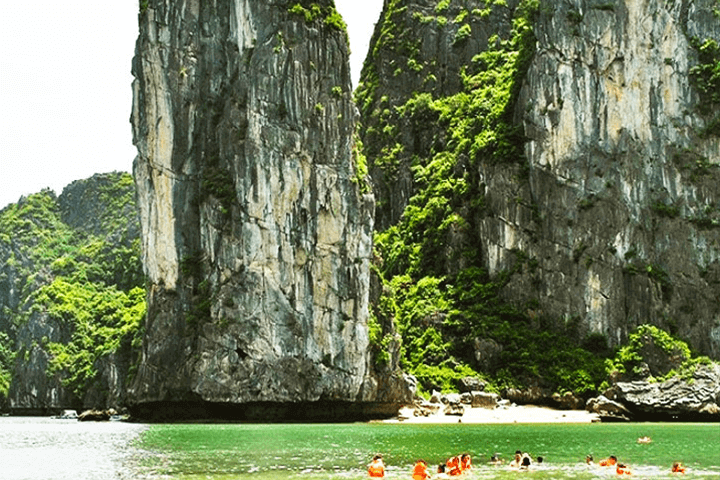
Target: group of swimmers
462	464
453	467
623	468
611	461
521	460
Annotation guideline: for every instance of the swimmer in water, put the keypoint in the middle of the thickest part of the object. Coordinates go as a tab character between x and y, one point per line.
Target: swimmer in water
465	463
678	468
377	467
623	469
608	462
420	470
453	466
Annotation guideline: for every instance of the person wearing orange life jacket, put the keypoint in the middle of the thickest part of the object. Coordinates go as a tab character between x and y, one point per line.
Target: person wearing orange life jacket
678	468
453	466
608	462
377	467
623	469
465	463
420	471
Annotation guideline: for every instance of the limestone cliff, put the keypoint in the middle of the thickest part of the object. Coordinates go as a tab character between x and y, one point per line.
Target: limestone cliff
562	154
624	169
256	232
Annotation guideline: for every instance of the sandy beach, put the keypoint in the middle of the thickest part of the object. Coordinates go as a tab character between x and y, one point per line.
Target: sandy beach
504	414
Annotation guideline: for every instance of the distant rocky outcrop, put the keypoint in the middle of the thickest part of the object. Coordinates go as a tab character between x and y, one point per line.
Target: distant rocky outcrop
681	398
256	224
696	398
608	410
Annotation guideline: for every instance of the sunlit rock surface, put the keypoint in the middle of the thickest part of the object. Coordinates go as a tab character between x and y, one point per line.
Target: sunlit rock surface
614	208
256	235
625	183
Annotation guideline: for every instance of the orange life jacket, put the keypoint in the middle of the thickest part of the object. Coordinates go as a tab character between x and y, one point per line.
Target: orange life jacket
420	471
609	462
453	466
465	464
377	469
678	469
623	471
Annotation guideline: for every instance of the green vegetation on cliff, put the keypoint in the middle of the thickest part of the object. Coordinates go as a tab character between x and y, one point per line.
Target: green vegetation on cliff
442	300
454	317
102	320
7	356
705	78
72	284
653	354
314	11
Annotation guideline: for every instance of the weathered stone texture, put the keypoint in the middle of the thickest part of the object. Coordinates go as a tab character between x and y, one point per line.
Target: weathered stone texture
415	50
616	202
256	237
672	399
613	123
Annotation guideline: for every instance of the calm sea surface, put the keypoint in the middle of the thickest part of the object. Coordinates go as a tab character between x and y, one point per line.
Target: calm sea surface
311	452
59	450
47	449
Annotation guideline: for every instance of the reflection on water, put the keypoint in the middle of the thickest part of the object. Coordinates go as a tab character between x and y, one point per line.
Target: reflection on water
48	449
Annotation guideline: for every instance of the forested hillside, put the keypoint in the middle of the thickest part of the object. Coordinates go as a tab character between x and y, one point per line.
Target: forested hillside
72	295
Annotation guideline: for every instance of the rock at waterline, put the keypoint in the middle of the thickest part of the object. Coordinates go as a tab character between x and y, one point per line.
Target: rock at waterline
678	399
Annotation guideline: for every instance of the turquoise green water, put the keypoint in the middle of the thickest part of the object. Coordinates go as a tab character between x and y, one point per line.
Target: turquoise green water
321	451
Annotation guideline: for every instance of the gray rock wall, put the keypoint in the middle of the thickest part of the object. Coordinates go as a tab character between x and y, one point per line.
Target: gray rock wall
256	237
416	49
616	201
619	172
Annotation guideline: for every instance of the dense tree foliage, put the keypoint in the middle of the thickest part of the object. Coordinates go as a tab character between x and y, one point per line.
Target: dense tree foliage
72	284
6	358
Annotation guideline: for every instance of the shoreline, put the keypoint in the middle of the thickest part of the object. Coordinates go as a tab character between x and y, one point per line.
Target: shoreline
499	415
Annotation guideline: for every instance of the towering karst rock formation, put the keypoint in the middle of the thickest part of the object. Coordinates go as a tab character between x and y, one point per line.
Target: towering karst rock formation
257	235
585	148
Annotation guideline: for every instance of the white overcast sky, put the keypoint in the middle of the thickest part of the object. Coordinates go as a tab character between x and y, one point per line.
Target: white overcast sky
65	95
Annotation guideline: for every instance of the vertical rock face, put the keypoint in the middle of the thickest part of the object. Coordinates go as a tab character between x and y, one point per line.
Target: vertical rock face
623	168
615	203
256	236
417	47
